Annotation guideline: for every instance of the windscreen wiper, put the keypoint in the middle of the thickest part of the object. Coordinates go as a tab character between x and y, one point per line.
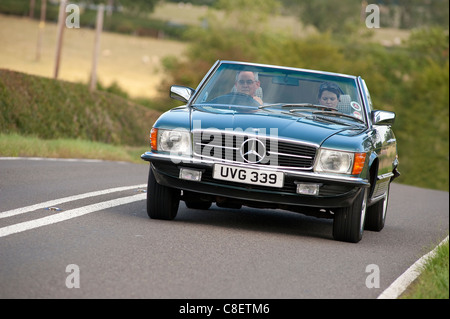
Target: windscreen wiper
305	105
339	114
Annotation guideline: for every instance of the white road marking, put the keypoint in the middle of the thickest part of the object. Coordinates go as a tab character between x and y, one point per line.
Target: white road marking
69	214
402	282
86	160
55	202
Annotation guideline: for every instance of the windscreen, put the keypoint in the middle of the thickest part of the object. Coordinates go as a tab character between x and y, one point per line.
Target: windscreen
259	86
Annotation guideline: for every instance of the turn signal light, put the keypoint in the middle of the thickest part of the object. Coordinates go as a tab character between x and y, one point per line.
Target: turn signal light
360	159
154	139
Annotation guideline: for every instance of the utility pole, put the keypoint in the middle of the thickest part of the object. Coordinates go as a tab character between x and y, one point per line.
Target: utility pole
41	29
109	8
98	32
362	17
59	38
32	3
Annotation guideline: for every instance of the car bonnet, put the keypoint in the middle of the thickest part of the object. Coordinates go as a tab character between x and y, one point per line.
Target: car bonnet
264	122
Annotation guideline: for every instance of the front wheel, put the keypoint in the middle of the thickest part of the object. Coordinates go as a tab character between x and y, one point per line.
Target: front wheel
348	222
162	201
376	214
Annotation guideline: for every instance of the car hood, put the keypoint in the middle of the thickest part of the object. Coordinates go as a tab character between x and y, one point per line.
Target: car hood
267	121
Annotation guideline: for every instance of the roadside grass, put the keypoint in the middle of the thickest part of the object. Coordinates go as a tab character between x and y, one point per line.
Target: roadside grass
433	283
15	145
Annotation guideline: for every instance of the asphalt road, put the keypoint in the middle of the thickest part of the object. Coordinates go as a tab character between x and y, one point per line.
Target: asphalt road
105	246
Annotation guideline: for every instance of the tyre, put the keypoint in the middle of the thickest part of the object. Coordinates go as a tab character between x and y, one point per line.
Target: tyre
376	214
162	201
348	222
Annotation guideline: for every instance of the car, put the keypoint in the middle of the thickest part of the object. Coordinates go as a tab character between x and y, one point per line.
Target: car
275	137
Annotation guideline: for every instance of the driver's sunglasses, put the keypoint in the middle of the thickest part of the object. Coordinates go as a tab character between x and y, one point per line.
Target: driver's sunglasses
329	86
248	82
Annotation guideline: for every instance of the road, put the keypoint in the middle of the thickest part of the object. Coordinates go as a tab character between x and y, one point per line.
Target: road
94	244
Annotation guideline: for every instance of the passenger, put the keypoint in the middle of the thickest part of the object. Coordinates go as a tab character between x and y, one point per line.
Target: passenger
247	82
329	94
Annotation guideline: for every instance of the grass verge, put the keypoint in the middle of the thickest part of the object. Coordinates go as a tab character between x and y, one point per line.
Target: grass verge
433	283
14	145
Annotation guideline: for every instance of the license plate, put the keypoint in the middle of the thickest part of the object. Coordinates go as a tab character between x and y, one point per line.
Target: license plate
248	175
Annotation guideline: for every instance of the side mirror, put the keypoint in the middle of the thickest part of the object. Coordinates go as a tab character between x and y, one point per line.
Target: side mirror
383	117
181	93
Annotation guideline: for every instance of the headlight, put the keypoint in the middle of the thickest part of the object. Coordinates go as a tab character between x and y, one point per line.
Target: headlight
332	161
177	142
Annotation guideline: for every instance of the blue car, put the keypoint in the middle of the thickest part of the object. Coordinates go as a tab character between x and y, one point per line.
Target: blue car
275	137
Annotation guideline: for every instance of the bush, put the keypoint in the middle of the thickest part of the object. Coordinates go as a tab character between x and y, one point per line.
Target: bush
50	109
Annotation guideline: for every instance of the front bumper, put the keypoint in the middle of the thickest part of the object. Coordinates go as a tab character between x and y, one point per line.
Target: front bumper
335	191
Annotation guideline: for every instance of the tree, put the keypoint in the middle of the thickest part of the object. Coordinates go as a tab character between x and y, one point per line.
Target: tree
416	13
247	15
333	16
137	7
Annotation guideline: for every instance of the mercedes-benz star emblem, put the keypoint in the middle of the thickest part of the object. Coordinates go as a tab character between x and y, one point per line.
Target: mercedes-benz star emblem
253	150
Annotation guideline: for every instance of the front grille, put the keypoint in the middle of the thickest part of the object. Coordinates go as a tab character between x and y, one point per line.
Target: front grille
263	150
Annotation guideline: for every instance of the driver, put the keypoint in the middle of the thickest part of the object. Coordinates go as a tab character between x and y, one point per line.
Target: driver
247	82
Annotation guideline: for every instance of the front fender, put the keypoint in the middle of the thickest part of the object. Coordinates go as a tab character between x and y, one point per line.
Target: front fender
174	119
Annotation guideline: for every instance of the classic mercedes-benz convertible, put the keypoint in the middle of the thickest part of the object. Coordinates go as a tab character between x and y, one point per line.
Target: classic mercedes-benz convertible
276	137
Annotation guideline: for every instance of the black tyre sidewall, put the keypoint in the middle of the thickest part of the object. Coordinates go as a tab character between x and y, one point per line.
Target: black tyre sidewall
347	220
376	214
162	201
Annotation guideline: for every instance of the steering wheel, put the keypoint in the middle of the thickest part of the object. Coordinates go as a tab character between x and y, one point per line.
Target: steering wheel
236	98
